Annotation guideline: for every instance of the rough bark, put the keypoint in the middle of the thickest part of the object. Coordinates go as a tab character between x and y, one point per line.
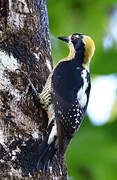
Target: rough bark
24	44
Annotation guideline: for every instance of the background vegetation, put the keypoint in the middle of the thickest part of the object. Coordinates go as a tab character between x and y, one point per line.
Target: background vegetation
92	154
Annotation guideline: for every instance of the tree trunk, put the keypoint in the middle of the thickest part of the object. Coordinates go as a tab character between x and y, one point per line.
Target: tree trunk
24	44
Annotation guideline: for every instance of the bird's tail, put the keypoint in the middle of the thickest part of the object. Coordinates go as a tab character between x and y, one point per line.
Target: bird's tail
45	153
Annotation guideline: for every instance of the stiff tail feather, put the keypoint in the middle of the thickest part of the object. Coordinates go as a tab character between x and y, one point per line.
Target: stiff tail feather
45	153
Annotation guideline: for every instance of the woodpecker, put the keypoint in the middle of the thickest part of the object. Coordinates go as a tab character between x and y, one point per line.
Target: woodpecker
65	97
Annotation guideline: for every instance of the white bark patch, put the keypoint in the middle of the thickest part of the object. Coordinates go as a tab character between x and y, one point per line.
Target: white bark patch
6	85
49	65
23	6
52	134
81	95
8	62
35	135
17	13
17	173
37	56
3	81
2	138
16	20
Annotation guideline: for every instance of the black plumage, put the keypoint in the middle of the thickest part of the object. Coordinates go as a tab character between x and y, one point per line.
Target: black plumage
66	82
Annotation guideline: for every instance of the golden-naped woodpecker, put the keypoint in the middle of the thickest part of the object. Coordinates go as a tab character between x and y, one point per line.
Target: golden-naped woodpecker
65	97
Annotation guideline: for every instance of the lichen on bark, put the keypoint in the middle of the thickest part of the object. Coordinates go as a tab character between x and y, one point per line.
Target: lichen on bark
24	44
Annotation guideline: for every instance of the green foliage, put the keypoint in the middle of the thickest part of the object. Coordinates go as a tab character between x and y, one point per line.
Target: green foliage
92	154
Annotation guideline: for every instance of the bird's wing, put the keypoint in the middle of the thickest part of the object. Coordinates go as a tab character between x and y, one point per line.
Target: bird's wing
66	81
65	85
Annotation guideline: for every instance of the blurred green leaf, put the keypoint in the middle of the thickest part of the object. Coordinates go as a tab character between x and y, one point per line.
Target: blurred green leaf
93	153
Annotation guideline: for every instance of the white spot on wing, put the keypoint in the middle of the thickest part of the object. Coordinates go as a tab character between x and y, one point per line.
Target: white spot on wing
59	112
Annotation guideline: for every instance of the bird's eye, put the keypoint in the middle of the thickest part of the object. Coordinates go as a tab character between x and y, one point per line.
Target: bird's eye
77	42
73	38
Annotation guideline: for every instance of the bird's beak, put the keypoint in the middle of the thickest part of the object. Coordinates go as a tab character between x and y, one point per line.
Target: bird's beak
65	39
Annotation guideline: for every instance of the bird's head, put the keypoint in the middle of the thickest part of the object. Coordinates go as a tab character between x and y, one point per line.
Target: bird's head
81	47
